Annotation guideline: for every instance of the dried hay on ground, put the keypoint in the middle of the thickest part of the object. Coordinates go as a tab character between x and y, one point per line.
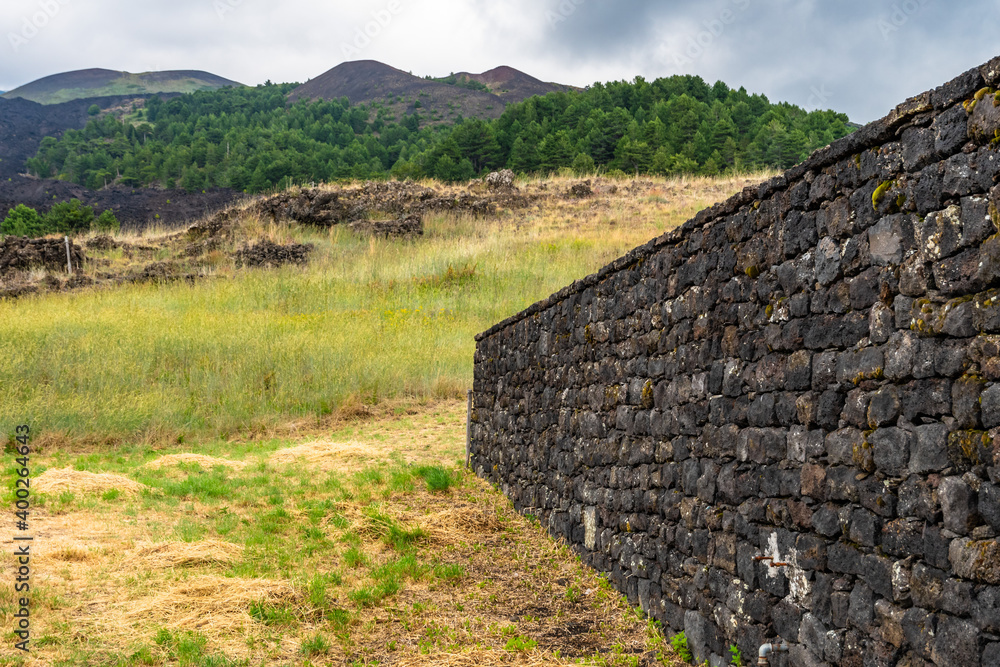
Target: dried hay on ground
179	554
208	604
485	658
80	481
328	456
460	523
207	462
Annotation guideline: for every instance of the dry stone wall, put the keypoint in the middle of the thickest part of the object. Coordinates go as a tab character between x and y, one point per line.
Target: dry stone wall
808	373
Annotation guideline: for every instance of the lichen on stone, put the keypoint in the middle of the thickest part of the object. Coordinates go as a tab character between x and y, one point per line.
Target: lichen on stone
880	192
647	394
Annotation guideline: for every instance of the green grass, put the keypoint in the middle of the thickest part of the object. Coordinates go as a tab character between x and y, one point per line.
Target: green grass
391	532
680	644
436	477
187	648
315	645
366	321
520	644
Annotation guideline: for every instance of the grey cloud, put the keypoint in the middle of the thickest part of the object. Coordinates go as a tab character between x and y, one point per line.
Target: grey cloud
856	56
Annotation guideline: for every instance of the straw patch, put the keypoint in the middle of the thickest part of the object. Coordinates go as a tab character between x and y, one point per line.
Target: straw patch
430	439
362	521
79	481
72	553
185	554
331	456
484	658
207	462
209	604
458	524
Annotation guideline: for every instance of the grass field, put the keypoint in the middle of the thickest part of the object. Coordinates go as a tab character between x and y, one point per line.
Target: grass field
246	351
265	467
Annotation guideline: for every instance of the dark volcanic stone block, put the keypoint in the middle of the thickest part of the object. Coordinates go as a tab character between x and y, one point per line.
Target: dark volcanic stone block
892	447
884	407
929	451
958	505
903	537
989	504
956	642
844	558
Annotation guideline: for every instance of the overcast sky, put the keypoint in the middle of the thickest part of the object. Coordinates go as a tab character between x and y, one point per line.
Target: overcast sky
861	57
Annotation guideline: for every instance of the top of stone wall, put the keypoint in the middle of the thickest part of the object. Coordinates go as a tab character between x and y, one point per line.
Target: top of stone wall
872	135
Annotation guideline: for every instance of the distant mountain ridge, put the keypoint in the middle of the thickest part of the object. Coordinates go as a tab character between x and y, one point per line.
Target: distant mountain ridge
86	83
513	85
362	82
369	81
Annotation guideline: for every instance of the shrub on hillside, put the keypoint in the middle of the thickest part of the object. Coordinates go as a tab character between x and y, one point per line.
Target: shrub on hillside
106	222
22	221
583	164
70	217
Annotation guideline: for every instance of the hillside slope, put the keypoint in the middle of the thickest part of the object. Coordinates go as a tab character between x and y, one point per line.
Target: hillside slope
513	85
80	84
23	125
368	81
682	125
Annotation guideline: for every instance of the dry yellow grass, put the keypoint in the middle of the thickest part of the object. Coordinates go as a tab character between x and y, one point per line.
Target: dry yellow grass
64	480
327	456
158	555
484	659
210	604
458	522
